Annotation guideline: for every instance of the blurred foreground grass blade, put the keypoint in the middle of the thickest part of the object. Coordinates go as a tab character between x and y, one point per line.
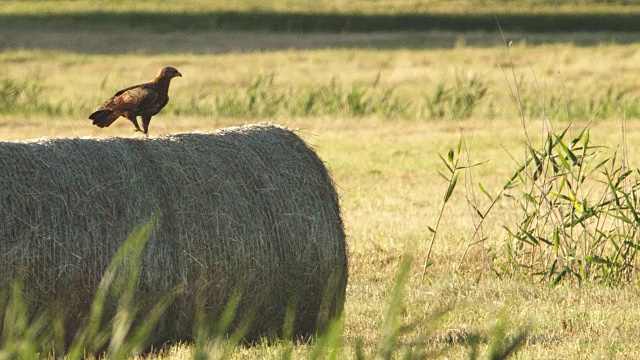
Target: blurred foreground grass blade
218	340
22	338
208	333
390	330
287	332
358	349
225	322
142	333
125	287
29	336
329	344
94	335
500	345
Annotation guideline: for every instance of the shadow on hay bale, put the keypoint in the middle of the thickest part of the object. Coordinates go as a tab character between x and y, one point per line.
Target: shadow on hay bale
250	208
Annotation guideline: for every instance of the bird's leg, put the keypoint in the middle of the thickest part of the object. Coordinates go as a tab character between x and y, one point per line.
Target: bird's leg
133	119
145	124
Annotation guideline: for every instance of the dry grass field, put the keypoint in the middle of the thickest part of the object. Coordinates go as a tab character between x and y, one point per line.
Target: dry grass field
384	158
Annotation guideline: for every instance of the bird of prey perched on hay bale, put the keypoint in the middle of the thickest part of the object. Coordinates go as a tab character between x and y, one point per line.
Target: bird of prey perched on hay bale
144	100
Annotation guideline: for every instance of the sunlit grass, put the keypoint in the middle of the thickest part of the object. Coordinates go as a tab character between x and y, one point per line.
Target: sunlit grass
385	170
559	81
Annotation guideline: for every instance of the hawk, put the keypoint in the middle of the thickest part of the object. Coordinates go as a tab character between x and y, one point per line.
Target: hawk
143	100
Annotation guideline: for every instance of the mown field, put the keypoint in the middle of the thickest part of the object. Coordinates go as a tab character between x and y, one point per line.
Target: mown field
379	107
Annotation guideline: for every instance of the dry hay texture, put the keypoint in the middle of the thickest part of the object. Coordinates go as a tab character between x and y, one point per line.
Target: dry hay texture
249	207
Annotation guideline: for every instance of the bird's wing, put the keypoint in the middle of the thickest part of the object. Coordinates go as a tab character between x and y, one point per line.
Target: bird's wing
132	99
155	108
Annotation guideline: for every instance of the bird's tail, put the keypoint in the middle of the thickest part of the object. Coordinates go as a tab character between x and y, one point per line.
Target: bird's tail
103	117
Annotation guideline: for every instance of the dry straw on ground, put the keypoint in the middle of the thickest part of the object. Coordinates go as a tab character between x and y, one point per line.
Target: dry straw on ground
249	207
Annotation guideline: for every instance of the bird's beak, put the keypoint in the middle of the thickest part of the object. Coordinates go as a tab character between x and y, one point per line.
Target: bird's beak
178	74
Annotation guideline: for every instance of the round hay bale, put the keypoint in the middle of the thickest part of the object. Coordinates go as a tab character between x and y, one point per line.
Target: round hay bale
250	209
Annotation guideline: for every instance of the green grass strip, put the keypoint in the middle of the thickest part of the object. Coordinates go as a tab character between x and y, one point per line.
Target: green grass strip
326	22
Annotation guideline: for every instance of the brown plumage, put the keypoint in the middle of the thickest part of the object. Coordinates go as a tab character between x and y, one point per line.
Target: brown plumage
144	100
